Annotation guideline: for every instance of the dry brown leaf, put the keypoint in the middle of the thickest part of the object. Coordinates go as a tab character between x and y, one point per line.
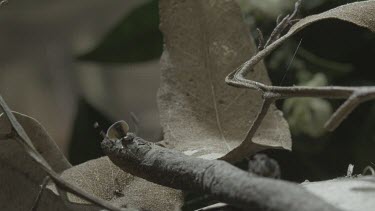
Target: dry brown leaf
20	176
359	13
105	180
200	114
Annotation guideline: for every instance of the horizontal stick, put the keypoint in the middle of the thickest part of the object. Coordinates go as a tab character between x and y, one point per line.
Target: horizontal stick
217	178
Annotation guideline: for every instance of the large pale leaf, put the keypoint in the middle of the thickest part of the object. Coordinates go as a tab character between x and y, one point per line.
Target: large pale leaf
348	194
352	194
200	114
105	180
20	176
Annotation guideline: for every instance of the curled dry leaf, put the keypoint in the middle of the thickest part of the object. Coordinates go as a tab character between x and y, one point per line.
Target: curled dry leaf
20	176
201	115
359	13
105	180
354	194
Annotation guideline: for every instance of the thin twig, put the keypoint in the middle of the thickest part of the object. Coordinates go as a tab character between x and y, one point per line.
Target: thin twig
283	24
24	140
237	78
291	62
40	193
348	106
278	30
267	102
247	145
278	19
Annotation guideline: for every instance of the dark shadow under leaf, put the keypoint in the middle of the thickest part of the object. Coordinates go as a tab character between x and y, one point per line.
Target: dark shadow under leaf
85	139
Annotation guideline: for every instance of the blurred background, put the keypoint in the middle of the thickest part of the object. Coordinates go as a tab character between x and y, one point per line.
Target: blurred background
41	76
71	63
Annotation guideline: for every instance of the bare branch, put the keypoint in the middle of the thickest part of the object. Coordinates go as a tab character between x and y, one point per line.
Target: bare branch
358	97
355	95
278	19
247	145
283	24
217	178
267	102
297	7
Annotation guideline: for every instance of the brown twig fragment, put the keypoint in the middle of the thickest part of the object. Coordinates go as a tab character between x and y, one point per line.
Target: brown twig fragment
217	178
283	24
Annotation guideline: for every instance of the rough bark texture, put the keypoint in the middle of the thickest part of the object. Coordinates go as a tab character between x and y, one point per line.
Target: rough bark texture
220	179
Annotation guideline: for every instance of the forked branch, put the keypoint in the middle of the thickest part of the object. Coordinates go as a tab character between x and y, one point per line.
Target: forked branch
354	95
